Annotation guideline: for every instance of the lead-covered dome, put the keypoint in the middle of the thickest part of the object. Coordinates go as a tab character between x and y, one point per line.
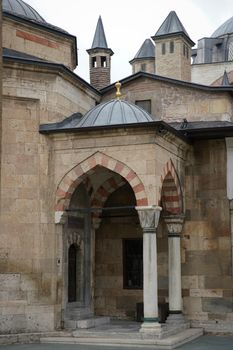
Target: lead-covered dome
20	8
115	112
225	28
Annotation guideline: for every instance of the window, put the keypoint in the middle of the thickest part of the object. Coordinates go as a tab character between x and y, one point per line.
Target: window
184	49
230	52
163	48
132	264
144	104
94	62
143	67
171	46
103	61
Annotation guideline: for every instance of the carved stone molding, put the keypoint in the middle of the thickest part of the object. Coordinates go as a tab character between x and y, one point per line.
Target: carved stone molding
174	224
149	216
74	238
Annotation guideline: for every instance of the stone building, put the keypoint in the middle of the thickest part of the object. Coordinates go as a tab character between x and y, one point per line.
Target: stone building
112	199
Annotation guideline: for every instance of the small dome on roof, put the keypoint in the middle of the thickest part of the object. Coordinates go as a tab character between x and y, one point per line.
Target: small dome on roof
225	28
20	8
115	112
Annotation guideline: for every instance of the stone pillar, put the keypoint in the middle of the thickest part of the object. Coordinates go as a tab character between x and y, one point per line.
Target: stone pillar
174	225
149	218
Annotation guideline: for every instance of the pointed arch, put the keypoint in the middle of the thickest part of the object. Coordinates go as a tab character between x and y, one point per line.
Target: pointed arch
100	196
79	173
171	197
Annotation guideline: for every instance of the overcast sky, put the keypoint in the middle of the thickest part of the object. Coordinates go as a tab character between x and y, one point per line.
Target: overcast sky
128	23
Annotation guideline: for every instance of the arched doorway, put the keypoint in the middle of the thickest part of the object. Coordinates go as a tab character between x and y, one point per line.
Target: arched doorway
102	212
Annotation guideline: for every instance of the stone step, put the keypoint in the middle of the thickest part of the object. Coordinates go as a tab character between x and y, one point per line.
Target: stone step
168	343
86	323
77	313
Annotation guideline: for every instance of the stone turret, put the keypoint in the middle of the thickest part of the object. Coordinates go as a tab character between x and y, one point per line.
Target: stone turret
144	60
100	58
173	49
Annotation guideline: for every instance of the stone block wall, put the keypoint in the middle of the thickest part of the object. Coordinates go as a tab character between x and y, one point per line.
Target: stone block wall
206	241
174	102
30	298
110	296
53	47
207	74
149	64
176	65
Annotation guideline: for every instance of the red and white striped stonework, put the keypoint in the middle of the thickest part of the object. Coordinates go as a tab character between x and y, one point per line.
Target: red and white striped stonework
100	196
79	173
171	194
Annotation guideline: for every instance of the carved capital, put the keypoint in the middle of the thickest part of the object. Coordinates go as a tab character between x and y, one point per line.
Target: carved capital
74	238
149	217
174	224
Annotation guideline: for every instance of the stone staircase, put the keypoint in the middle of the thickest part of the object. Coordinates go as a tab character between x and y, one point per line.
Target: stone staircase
128	334
82	318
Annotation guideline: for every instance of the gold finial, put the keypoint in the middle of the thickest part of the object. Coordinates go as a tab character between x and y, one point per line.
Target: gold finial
118	92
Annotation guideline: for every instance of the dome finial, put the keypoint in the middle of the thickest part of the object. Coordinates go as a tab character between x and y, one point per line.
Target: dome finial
118	88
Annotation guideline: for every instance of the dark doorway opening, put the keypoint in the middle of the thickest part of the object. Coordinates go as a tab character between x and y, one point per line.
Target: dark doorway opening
72	273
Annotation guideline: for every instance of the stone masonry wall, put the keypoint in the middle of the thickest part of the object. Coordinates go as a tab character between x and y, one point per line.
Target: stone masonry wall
174	102
206	241
208	73
176	65
29	284
38	42
148	63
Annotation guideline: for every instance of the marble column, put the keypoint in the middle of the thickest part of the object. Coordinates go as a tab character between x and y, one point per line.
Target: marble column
149	218
174	225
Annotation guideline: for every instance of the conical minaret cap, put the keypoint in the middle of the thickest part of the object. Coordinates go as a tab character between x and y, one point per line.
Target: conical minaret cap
171	26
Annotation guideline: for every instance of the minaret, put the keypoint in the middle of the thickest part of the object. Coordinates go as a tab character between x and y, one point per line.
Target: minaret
100	58
144	60
173	49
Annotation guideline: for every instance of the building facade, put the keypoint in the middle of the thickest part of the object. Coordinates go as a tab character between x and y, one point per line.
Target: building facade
109	198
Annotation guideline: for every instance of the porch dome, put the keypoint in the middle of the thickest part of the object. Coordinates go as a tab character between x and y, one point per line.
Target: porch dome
22	9
115	112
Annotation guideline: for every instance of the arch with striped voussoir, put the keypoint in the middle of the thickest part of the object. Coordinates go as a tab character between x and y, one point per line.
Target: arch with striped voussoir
101	195
79	173
171	197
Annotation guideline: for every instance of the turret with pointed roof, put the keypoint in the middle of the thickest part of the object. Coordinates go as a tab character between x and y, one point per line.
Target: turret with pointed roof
144	60
100	58
173	49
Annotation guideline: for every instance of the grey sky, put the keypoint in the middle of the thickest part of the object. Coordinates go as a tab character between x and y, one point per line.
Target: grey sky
128	23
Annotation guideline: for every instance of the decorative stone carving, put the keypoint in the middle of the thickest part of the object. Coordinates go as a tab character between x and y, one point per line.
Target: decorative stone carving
174	224
74	238
149	216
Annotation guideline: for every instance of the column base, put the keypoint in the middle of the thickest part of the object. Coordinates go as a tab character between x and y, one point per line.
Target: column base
152	326
175	317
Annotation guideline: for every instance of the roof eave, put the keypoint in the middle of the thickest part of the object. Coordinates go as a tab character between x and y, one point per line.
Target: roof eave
169	80
208	133
100	49
172	35
142	59
161	125
52	66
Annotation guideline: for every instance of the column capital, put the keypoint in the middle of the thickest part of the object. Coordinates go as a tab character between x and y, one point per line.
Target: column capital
231	204
174	224
149	217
